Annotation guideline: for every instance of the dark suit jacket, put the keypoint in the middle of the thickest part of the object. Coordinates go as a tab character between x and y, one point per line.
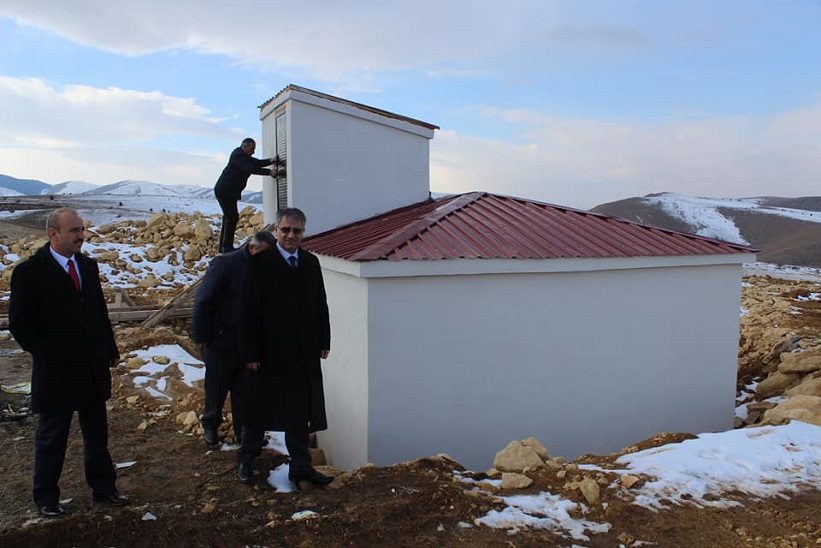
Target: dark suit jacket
284	324
216	306
68	333
234	177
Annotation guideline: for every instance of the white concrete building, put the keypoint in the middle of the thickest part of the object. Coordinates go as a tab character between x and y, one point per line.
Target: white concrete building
463	323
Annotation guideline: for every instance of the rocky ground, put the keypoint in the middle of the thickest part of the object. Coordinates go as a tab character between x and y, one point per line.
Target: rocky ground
187	495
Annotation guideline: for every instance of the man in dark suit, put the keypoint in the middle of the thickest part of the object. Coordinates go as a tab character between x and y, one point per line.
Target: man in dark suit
284	331
214	328
231	183
58	314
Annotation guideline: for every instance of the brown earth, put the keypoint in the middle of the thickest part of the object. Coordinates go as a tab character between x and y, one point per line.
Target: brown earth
197	501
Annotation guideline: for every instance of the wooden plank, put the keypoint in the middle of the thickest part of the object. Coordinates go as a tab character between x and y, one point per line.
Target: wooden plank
118	315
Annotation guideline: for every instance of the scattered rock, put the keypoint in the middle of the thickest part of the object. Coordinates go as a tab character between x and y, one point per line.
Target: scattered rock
809	386
537	446
801	407
801	362
591	491
512	480
135	363
775	384
629	480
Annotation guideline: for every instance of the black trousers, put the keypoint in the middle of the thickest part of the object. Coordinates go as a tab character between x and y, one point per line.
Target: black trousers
50	445
230	217
223	374
297	444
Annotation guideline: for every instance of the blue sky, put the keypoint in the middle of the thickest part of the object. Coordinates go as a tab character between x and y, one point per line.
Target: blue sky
569	102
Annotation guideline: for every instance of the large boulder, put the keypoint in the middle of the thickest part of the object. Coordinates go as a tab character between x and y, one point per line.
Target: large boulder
517	457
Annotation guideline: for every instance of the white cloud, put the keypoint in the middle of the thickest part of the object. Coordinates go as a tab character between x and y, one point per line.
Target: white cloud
582	162
57	133
105	165
340	42
37	111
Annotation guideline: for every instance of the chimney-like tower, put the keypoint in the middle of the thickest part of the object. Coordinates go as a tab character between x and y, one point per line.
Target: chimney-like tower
344	161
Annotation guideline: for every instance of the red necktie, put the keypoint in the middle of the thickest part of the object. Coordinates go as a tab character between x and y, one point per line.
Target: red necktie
72	273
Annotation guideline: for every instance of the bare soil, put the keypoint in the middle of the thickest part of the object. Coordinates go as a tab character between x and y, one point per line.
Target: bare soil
187	495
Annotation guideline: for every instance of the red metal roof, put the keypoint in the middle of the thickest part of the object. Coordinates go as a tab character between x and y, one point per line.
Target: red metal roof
480	225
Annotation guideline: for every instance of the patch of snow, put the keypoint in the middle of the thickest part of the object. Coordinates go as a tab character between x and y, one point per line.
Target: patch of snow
764	462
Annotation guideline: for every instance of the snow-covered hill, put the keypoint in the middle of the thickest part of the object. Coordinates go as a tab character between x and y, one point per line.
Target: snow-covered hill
11	186
130	187
68	187
786	230
713	217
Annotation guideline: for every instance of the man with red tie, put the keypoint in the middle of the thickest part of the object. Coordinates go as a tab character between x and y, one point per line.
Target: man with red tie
58	314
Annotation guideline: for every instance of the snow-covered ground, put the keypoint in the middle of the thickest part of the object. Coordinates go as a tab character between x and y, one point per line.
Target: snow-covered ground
784	272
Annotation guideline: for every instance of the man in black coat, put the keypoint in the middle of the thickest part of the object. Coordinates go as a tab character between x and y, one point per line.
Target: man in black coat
231	183
284	331
214	328
58	314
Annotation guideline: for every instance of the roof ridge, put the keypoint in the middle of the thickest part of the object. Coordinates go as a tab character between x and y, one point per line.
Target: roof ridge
361	106
413	230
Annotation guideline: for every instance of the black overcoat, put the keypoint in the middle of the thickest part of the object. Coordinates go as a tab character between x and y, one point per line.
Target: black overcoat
234	177
215	316
68	333
284	324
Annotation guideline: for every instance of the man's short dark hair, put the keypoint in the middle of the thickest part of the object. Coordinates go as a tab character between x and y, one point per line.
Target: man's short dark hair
264	237
290	212
248	141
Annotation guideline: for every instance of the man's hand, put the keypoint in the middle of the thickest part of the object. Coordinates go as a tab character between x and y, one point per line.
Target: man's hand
324	354
253	366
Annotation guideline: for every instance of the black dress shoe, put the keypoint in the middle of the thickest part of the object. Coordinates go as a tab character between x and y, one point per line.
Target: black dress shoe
245	474
309	475
210	435
114	499
52	511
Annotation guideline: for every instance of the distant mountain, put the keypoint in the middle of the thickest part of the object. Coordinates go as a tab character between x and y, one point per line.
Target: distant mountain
26	187
142	188
250	197
11	186
787	230
69	187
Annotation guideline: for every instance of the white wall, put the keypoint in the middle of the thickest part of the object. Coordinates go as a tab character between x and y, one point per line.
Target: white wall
345	164
345	372
586	362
